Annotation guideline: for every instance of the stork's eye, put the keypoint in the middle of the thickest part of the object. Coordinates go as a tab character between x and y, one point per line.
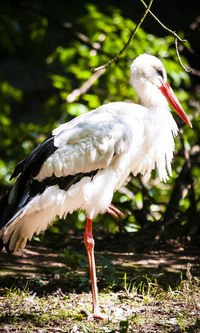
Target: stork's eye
160	73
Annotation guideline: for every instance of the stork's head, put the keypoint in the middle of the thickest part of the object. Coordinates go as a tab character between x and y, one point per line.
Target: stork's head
149	80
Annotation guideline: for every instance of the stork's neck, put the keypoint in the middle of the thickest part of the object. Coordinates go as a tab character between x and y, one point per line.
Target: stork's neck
150	96
158	111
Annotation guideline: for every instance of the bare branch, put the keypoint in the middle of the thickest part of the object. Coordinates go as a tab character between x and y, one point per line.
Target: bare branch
84	88
164	26
115	58
179	58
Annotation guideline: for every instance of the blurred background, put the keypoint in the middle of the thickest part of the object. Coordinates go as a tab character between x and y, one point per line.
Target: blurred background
47	50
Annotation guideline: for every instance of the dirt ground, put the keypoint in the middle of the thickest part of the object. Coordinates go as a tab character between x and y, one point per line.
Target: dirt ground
45	274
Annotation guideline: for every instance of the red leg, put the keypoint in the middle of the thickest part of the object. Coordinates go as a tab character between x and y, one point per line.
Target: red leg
114	211
89	244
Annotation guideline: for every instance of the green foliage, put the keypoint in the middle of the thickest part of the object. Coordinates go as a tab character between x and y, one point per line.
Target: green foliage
106	272
69	67
105	268
38	29
73	260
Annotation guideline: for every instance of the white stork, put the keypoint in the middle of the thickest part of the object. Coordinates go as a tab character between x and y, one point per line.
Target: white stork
86	160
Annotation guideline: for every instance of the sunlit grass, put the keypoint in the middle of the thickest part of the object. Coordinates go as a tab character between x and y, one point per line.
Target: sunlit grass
141	306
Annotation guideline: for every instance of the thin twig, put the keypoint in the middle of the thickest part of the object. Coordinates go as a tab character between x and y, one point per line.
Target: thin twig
194	71
164	26
115	58
179	58
84	88
190	186
177	37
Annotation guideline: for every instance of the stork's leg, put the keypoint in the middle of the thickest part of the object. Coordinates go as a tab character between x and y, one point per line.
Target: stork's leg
89	244
114	211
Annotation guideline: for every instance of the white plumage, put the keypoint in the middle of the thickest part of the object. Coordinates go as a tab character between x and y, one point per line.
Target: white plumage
87	159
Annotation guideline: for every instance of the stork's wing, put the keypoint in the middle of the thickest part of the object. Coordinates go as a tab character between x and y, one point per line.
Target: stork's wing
32	163
86	144
75	150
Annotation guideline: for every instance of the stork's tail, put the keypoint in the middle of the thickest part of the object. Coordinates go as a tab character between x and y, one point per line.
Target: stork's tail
6	233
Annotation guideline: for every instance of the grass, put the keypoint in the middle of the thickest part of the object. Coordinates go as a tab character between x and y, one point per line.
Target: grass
141	306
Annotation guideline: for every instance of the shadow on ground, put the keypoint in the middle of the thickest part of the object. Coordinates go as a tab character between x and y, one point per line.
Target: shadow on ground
45	270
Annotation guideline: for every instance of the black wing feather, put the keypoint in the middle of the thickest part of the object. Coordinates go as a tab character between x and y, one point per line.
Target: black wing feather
33	162
26	170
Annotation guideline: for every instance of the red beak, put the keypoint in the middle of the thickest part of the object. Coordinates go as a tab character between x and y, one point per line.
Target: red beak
173	101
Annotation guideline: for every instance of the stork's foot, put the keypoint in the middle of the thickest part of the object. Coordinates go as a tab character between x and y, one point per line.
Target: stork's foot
114	211
91	316
98	316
